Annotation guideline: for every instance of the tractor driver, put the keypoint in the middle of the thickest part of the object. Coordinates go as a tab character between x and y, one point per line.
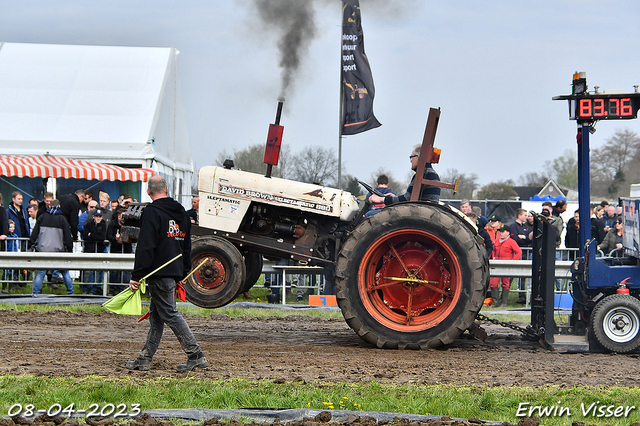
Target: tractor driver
428	192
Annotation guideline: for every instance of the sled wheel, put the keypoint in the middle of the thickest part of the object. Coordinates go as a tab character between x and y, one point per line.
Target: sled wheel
253	266
219	280
615	322
411	276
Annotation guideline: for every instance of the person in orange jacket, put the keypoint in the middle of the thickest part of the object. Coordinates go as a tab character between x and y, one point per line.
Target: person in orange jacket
504	247
493	228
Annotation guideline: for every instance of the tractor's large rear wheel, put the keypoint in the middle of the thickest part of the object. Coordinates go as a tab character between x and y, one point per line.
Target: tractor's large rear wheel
220	278
411	276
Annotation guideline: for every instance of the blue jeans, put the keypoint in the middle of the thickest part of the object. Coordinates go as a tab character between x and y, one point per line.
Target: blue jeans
162	310
37	282
372	211
560	283
116	277
90	277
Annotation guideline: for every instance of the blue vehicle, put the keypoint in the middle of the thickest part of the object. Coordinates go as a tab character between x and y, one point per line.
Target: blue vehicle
606	309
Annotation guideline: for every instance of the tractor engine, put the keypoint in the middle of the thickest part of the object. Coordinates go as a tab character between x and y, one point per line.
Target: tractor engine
274	215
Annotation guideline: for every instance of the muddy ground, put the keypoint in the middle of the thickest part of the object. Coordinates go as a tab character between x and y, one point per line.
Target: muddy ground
292	349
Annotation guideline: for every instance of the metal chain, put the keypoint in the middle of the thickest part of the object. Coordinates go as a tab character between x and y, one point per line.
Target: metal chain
527	331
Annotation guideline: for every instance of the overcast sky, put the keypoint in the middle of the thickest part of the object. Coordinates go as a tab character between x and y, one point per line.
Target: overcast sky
492	67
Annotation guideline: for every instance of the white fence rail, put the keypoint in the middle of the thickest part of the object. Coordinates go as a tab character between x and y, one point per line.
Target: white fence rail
124	262
67	261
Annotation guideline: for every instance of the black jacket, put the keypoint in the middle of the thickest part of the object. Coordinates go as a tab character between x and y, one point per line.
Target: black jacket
193	215
488	244
113	229
597	229
21	219
572	236
70	206
51	233
165	232
94	236
517	229
4	225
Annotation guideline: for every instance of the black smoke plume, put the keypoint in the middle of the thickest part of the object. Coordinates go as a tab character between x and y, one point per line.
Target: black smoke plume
294	23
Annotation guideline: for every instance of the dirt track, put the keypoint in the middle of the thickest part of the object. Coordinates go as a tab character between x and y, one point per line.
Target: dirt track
294	348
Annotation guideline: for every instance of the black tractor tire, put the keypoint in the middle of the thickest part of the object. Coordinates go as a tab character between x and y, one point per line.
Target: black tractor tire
615	323
218	281
439	250
253	265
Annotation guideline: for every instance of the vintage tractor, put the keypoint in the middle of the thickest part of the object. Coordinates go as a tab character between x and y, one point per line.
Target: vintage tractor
411	276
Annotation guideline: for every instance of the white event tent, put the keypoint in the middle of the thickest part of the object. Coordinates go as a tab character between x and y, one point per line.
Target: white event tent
103	104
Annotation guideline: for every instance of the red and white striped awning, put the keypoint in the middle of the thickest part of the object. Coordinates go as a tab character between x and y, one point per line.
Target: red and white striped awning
68	168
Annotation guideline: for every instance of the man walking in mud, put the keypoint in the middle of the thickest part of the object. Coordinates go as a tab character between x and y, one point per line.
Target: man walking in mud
165	232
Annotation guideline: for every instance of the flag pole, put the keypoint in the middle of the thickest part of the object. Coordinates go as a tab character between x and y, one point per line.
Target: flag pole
340	138
341	110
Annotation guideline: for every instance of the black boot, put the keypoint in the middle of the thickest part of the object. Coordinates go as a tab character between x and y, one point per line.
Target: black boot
505	297
199	362
139	364
495	295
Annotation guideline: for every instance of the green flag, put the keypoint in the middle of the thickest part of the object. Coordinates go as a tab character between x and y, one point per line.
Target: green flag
128	302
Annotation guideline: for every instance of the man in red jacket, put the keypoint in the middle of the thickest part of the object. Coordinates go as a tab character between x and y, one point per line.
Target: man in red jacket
504	247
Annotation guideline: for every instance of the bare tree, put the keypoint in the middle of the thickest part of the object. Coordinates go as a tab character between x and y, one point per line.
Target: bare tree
250	159
315	165
533	179
634	166
614	166
350	184
466	186
502	190
564	170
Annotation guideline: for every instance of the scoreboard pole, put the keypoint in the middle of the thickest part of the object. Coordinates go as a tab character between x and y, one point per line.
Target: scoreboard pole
584	198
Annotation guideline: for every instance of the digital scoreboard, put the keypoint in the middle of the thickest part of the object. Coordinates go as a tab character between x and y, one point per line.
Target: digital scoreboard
613	107
588	107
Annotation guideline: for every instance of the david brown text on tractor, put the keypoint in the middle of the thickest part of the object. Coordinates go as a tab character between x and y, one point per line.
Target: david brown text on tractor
410	276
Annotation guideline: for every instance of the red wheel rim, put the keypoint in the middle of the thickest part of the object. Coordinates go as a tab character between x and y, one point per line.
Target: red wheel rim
409	280
211	277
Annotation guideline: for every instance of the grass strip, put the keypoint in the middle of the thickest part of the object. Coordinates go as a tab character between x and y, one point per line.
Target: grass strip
563	405
186	309
226	310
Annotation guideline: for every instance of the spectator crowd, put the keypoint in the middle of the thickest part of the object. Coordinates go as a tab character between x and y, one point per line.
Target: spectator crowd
54	225
512	238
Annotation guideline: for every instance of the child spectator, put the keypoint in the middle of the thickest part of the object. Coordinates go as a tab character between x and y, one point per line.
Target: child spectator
383	188
13	245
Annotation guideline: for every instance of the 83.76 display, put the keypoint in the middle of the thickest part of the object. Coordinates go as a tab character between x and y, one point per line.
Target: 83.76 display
594	107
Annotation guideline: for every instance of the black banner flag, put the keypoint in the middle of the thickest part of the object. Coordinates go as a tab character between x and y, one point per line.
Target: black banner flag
357	81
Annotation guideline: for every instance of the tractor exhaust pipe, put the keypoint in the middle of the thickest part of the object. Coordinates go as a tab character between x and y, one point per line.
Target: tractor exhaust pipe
279	113
274	139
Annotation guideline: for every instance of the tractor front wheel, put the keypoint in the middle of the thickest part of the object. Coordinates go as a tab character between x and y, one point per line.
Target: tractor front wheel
218	281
